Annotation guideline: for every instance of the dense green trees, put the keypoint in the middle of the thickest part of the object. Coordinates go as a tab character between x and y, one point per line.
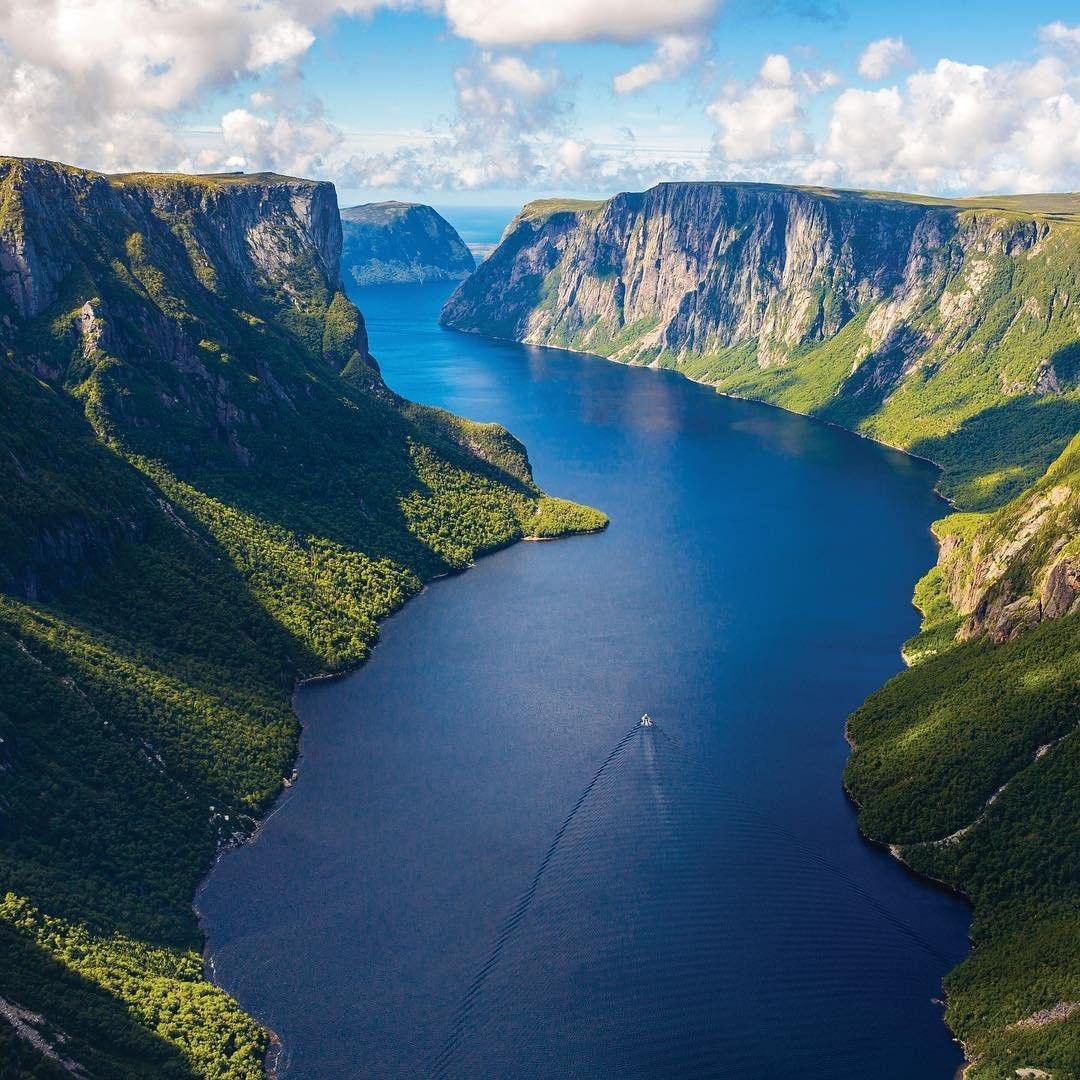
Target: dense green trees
207	494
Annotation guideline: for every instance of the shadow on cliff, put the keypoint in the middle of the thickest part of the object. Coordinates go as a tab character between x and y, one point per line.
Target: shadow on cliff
1000	451
864	391
1066	363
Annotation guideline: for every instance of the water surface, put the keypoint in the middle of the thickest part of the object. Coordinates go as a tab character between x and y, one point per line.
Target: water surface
487	870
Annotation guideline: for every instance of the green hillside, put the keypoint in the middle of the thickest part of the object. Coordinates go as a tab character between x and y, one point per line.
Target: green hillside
208	494
969	763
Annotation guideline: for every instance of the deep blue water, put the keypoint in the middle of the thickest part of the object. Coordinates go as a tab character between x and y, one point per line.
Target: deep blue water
435	896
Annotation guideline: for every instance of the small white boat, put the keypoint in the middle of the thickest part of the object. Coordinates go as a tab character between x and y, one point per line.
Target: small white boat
646	720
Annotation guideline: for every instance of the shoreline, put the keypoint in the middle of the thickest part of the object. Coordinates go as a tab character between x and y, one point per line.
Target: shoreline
933	882
275	1046
726	394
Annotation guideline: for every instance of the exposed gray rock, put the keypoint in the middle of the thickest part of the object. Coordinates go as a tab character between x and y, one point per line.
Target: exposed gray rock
1061	589
695	269
1016	571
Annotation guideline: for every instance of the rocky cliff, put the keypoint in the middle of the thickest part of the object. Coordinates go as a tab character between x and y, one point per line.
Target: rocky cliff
391	243
919	322
206	492
264	236
148	297
1006	571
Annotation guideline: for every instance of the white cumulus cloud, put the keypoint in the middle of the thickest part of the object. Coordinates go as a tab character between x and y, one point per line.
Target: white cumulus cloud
764	121
675	53
960	127
513	72
883	56
99	82
294	143
1061	36
527	22
280	42
776	69
508	122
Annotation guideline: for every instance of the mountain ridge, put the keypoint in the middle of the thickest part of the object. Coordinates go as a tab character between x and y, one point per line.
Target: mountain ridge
1049	203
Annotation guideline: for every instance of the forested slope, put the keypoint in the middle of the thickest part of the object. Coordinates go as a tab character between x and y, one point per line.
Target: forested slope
969	764
208	493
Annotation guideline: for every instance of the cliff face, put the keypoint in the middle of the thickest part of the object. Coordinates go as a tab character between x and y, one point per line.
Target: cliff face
706	266
392	243
206	492
254	233
183	311
702	268
148	265
1006	571
899	317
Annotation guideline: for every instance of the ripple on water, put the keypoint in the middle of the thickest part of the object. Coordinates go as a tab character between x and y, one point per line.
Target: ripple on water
651	905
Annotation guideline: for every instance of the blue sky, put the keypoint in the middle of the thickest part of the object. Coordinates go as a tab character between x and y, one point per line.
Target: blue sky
495	102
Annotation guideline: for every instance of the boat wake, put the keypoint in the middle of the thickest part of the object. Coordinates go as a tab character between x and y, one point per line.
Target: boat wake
522	908
664	897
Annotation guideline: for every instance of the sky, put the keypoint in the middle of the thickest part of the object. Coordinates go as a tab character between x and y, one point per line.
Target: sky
495	102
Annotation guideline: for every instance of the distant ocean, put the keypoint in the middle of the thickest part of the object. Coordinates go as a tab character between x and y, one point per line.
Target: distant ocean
479	226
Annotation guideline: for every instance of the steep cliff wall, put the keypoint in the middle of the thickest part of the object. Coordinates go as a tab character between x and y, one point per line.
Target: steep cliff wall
392	243
145	298
253	233
708	266
1006	571
206	493
926	324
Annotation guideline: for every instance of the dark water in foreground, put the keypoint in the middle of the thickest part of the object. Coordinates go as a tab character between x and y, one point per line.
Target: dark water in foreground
435	897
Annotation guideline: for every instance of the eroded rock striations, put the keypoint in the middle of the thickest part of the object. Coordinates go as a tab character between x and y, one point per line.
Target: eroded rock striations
393	243
1005	572
208	492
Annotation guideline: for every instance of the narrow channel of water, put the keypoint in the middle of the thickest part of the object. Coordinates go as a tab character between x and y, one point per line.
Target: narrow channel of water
487	870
